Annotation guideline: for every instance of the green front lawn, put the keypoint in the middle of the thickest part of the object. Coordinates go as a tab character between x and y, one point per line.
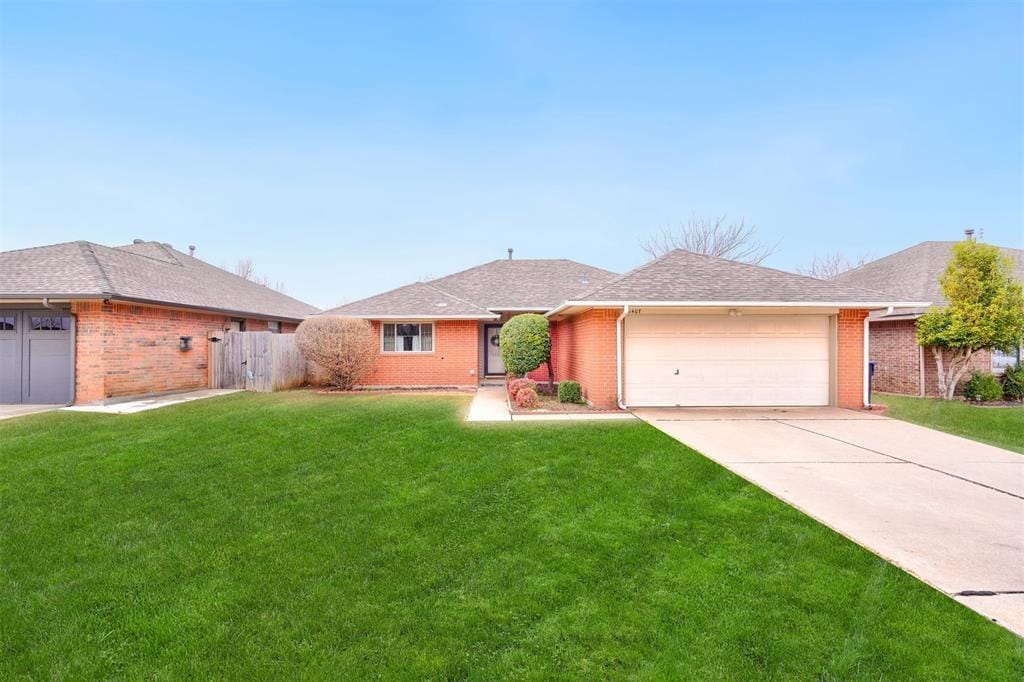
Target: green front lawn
301	535
999	426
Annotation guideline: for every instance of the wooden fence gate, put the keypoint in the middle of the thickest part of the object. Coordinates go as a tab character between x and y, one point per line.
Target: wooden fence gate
255	361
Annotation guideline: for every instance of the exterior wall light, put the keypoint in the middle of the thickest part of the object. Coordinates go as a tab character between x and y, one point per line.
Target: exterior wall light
185	342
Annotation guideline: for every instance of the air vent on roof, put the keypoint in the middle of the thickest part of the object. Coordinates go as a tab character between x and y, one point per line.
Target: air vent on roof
138	241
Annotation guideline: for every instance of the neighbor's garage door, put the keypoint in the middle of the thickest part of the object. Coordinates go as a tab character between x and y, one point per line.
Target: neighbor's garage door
36	349
718	360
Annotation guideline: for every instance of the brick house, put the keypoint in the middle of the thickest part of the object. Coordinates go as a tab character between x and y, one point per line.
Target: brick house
901	365
81	322
683	330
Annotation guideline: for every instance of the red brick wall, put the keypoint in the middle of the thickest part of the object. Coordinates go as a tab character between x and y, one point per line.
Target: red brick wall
897	357
90	343
454	361
124	349
850	360
585	352
897	360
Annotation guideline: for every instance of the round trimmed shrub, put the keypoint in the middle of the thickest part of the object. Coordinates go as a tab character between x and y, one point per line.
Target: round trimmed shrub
525	343
527	397
517	385
570	392
984	387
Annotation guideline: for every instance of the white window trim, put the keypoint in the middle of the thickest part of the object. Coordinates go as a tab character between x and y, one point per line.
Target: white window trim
433	338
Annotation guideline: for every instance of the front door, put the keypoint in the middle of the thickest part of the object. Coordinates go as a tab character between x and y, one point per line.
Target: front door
493	364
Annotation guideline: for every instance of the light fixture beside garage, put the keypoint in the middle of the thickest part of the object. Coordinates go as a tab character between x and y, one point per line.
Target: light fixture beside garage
185	343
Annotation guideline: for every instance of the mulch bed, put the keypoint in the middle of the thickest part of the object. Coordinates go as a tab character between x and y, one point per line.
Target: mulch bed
393	391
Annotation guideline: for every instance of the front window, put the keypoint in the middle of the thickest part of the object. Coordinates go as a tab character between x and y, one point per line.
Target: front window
1001	360
408	337
274	326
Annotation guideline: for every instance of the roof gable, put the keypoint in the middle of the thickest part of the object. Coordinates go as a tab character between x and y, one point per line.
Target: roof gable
519	284
684	276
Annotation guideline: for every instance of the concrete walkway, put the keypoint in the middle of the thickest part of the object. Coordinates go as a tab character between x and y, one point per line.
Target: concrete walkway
489	405
144	404
946	509
11	411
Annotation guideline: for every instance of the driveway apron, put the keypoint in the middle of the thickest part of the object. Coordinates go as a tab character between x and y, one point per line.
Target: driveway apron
946	509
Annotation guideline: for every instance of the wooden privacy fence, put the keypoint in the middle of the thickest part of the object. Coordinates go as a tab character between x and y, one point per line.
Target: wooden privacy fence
256	361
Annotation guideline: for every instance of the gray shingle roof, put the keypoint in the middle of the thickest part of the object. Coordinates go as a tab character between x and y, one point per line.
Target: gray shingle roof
691	277
148	271
535	284
419	299
913	273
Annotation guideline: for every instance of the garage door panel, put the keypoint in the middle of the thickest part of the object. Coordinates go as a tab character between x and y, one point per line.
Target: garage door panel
721	360
49	369
10	368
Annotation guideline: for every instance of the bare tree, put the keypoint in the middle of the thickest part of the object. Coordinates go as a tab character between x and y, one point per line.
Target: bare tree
832	264
713	237
245	269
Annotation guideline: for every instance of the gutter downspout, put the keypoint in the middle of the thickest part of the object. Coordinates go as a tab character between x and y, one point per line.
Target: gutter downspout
867	350
618	357
46	303
867	358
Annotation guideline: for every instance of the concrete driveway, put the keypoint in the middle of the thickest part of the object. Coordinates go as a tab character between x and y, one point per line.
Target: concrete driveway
946	509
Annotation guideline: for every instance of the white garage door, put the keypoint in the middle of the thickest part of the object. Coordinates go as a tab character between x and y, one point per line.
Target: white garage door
718	360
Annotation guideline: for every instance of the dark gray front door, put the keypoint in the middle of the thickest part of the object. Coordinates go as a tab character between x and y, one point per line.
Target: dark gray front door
36	356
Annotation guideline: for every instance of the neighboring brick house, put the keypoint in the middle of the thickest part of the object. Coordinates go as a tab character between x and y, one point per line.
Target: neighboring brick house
901	365
81	322
684	329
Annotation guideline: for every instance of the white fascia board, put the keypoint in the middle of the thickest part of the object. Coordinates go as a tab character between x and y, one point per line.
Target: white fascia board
513	309
413	317
872	305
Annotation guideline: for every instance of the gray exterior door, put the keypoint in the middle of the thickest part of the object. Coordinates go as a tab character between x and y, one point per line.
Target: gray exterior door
493	362
36	356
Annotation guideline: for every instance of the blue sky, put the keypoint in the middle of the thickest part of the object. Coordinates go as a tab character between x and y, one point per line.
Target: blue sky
351	148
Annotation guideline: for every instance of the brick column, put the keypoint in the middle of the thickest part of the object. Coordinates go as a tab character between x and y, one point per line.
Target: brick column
850	360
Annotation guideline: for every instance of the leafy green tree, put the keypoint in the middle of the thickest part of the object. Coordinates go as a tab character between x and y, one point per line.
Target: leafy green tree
526	344
986	310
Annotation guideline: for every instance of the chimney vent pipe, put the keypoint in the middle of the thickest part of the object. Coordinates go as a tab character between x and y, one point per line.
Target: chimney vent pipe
969	233
510	254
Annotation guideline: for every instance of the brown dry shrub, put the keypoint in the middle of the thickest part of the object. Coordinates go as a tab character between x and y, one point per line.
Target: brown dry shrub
345	348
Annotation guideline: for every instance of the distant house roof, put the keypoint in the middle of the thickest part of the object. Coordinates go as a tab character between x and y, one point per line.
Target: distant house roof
520	284
685	278
913	274
148	272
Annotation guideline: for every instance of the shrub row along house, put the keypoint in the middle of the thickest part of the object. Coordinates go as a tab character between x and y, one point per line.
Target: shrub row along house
682	330
81	322
901	365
